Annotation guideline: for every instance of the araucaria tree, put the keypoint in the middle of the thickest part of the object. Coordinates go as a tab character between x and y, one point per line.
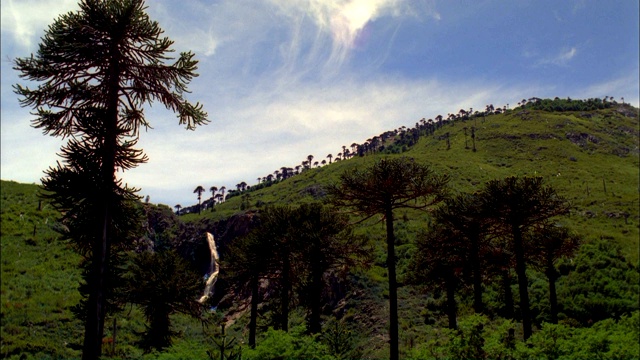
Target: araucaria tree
162	283
388	185
294	248
94	72
199	190
515	206
440	252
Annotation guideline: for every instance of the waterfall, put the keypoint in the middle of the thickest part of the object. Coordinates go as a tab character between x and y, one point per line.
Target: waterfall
214	269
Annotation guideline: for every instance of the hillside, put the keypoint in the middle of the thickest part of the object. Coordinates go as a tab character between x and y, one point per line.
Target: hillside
590	156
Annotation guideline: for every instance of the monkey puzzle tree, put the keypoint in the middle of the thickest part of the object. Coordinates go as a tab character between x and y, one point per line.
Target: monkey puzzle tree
390	184
439	259
265	253
547	245
247	263
463	215
95	70
162	283
213	190
515	206
199	190
325	241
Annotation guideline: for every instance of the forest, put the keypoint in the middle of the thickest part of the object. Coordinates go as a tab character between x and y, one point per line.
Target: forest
501	233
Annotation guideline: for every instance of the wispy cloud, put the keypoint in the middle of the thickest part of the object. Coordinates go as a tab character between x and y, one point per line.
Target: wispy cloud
260	133
25	29
626	84
342	21
560	59
282	79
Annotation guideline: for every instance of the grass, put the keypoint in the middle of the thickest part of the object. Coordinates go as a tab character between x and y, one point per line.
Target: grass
39	277
593	162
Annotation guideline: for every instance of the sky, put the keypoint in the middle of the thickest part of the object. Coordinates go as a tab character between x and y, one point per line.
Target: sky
284	79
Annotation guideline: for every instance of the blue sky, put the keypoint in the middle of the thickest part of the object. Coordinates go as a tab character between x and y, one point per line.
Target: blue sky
283	79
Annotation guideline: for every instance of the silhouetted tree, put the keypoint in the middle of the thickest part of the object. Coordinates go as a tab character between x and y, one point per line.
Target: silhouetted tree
516	205
97	68
324	241
178	207
162	283
464	218
466	144
249	261
199	190
547	245
388	185
473	137
439	259
222	190
213	190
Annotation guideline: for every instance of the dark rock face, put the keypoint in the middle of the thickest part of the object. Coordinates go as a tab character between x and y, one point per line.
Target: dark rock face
192	244
192	241
165	230
581	139
316	191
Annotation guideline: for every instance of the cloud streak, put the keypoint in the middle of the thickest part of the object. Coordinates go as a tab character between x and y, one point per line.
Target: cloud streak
24	30
282	79
560	59
307	118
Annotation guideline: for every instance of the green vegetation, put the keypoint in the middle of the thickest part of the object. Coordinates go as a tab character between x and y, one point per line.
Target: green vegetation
588	157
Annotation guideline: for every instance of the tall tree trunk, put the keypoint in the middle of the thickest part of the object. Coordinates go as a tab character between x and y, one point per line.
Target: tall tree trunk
286	286
393	286
478	307
315	295
253	322
552	275
452	309
96	306
523	282
159	334
508	296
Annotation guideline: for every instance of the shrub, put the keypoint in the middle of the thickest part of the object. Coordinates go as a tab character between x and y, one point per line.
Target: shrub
278	344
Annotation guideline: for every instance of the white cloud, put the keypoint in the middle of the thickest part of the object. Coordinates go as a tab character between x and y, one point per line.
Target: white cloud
25	20
559	59
342	20
262	131
617	87
277	81
564	57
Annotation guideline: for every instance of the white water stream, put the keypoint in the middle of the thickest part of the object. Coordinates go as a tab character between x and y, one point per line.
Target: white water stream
214	269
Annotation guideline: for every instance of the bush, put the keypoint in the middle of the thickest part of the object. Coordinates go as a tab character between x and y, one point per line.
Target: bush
602	284
278	344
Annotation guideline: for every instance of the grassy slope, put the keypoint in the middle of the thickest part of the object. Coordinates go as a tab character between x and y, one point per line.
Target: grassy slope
40	273
39	277
530	144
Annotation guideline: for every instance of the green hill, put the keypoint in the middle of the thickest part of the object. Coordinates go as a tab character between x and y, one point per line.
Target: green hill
590	156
